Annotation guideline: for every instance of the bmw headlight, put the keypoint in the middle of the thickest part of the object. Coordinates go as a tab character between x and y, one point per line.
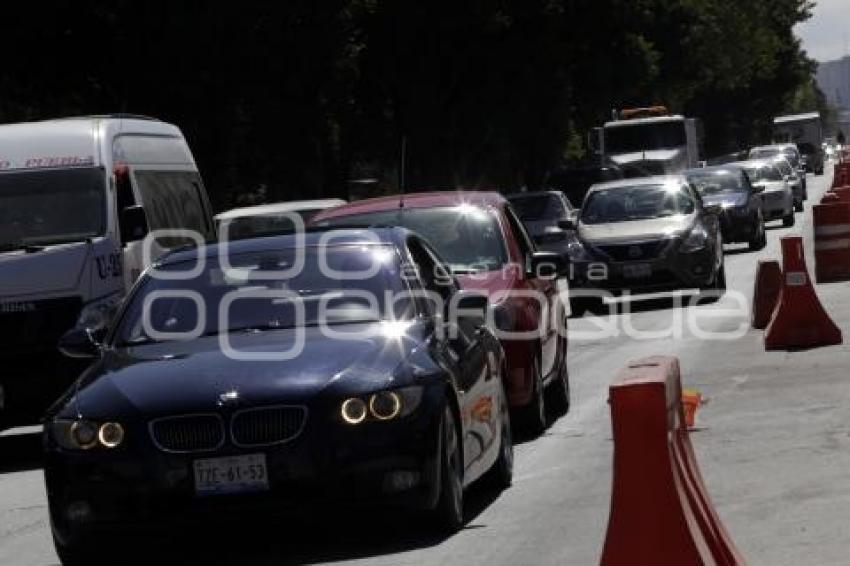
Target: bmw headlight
82	434
381	406
98	314
696	240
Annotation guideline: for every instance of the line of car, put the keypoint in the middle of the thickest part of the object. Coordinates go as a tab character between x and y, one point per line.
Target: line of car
406	401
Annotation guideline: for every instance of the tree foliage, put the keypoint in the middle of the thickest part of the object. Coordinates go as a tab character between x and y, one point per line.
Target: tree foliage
297	97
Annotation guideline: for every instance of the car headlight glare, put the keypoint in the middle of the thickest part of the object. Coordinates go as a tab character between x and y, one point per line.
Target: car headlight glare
86	435
354	411
110	435
382	406
385	405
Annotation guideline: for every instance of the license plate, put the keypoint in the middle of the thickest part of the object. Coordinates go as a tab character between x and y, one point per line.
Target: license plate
637	271
235	474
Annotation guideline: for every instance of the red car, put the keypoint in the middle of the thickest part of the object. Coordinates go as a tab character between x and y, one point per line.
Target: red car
487	247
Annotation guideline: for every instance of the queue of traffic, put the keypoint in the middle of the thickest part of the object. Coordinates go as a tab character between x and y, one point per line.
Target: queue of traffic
387	351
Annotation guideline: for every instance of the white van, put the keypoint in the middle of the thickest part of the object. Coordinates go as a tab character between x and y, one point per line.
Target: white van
77	196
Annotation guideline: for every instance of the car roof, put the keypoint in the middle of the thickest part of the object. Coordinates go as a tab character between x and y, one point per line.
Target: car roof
342	236
279	208
638	182
414	200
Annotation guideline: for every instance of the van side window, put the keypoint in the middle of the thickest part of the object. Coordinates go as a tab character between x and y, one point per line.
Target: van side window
174	200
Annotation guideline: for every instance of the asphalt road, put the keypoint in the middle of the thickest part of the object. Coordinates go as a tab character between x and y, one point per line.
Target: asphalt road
773	444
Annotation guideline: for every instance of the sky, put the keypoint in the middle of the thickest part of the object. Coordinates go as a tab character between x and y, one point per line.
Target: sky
826	36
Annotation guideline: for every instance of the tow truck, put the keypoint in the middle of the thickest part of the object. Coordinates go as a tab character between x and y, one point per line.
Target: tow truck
649	141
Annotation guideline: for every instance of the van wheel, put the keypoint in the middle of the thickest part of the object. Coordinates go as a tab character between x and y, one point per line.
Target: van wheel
534	414
788	220
798	206
449	512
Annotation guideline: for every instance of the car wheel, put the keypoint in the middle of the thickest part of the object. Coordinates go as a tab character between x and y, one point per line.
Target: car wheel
559	390
798	206
759	240
449	512
502	472
788	220
534	414
720	278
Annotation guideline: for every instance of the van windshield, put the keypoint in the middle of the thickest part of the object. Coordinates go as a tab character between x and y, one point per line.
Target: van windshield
39	208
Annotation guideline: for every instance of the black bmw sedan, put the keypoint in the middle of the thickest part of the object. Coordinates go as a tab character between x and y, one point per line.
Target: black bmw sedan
289	370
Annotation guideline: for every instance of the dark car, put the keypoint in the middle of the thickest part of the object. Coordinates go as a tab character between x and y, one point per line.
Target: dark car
574	182
646	235
542	213
484	242
274	372
728	187
813	157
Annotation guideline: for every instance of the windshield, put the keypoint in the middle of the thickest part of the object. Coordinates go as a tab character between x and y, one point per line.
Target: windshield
769	152
784	167
337	285
644	137
764	173
538	207
466	237
716	182
51	207
250	226
643	202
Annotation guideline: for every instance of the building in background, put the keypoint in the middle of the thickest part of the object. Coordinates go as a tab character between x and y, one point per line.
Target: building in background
834	80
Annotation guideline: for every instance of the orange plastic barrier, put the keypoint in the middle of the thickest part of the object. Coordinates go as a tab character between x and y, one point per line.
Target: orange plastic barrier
660	510
766	290
842	175
832	241
800	320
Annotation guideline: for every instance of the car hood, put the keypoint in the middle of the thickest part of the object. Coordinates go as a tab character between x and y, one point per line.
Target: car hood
175	378
726	199
23	274
636	230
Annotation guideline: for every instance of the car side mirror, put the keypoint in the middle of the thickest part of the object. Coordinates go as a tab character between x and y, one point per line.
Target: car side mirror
471	305
567	224
134	224
80	343
546	265
714	209
758	188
